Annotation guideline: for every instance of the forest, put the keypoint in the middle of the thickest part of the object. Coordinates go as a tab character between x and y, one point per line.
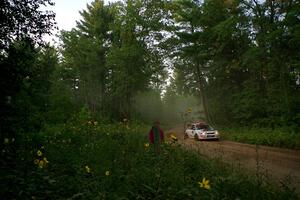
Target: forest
233	63
238	59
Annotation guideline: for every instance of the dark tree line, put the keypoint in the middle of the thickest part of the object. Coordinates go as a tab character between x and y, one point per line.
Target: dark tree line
244	57
240	58
113	55
25	68
26	65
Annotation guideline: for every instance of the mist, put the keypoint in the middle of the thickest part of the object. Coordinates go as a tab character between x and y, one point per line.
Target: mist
170	110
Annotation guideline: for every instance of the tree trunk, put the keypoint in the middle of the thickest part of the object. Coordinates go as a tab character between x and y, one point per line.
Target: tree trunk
202	94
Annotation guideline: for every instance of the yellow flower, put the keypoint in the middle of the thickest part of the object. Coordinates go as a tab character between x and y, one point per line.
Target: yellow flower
39	153
204	184
36	161
146	145
45	160
41	164
107	173
6	140
87	169
174	138
189	110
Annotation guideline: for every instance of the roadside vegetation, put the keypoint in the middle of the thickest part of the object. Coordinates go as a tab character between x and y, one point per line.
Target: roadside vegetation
70	111
91	159
283	138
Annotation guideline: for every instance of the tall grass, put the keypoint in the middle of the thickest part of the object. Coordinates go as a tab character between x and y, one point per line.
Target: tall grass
93	160
278	138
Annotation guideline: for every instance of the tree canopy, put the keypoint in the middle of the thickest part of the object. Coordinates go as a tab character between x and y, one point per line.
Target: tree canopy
239	58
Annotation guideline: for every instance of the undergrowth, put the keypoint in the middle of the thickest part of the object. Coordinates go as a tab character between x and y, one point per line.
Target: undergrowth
277	138
89	159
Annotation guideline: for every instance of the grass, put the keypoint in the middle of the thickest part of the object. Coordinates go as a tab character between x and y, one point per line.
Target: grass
277	138
94	160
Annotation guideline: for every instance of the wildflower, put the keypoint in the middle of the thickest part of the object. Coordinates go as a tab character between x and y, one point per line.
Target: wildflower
124	120
13	139
42	147
39	153
107	173
189	110
204	184
45	160
87	169
174	138
146	145
41	164
89	122
95	123
6	140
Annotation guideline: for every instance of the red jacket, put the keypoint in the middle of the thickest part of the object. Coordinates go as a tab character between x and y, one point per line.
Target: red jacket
151	135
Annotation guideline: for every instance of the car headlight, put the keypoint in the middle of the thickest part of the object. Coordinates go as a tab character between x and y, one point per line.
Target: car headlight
217	133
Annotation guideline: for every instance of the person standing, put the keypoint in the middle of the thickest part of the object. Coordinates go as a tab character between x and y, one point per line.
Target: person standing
156	136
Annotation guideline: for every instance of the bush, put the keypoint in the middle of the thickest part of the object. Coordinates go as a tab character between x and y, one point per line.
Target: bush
89	159
277	138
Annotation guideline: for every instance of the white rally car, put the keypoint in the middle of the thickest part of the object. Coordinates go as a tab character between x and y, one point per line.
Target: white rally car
201	131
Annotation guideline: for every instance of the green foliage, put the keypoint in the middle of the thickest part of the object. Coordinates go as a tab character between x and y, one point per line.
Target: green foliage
25	105
24	74
112	57
21	20
284	137
232	52
89	159
112	67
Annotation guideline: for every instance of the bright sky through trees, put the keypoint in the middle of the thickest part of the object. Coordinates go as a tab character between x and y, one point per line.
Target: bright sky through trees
67	12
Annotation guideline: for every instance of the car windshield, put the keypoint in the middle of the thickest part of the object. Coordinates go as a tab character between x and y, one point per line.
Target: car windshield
204	127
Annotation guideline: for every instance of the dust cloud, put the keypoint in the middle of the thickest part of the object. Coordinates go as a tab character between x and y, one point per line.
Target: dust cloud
150	106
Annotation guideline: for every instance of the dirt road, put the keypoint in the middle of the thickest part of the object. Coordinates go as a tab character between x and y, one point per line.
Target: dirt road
276	164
